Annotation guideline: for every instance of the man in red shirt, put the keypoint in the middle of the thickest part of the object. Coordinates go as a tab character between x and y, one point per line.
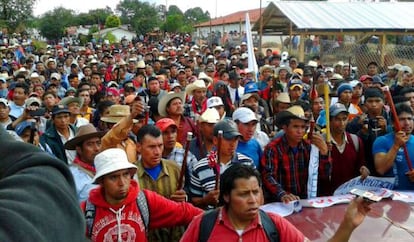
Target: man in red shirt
240	218
117	214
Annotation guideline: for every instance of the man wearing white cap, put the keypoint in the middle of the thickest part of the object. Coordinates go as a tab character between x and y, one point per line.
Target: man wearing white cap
202	144
246	121
118	210
217	103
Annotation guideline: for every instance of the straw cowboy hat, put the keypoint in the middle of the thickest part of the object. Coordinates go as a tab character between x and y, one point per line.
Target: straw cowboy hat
162	105
85	132
294	112
197	84
111	160
203	76
116	113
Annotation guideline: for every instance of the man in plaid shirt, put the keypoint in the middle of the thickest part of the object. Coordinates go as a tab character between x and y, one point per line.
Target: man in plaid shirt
286	159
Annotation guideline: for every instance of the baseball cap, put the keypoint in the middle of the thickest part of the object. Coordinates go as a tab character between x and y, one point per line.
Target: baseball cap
211	116
22	126
4	101
244	115
250	87
112	92
58	109
164	123
336	109
295	83
33	100
365	77
55	75
214	102
228	127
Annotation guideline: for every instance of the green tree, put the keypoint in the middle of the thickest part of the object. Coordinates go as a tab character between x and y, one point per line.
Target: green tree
142	16
53	23
174	10
15	12
112	21
95	16
196	15
173	23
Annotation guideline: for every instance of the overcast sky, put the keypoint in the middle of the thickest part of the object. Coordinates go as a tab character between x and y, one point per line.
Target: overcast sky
215	7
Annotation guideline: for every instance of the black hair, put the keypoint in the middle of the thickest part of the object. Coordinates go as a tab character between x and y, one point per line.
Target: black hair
403	108
399	99
148	129
406	90
24	86
83	83
231	174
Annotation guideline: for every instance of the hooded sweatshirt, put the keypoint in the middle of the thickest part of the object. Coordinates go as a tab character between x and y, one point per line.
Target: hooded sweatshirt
123	222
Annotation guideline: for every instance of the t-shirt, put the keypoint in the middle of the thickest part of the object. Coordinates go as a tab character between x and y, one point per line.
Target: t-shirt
251	149
383	144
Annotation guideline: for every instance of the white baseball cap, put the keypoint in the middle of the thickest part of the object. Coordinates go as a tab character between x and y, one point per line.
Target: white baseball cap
244	115
214	102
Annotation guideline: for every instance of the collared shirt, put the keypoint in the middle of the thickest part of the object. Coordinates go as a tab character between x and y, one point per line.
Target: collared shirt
285	169
70	154
165	185
223	230
16	110
203	177
341	147
177	155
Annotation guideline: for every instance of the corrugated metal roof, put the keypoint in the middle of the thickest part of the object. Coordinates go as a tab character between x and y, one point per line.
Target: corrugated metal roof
349	15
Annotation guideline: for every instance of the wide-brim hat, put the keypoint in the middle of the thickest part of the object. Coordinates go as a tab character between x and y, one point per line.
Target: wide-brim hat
85	132
197	84
68	100
116	113
287	68
111	160
162	105
205	77
294	112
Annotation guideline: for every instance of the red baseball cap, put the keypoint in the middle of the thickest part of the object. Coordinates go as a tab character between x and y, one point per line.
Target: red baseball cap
365	77
112	92
164	123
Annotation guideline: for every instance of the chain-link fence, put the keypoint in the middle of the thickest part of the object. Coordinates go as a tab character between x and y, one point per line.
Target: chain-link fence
359	55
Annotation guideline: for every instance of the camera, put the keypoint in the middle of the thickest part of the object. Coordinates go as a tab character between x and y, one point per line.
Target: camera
37	113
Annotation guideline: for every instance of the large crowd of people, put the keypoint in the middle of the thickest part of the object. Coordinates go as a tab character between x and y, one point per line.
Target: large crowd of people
146	129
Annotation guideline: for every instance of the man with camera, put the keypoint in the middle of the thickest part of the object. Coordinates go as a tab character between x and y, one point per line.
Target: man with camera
373	123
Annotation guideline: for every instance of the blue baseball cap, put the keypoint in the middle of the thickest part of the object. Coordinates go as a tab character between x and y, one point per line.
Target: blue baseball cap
250	87
21	127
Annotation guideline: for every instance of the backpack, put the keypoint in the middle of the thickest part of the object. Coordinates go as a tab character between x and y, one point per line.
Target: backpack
209	220
90	212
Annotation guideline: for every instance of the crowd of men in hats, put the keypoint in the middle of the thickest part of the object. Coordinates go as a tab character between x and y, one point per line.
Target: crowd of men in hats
147	129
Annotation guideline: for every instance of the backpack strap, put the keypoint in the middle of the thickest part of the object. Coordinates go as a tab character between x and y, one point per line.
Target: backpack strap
269	227
143	209
206	225
90	212
355	140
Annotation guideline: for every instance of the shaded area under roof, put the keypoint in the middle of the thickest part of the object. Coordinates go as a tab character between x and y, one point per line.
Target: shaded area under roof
308	17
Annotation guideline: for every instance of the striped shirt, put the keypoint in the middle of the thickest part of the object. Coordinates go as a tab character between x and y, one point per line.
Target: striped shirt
285	169
177	155
203	177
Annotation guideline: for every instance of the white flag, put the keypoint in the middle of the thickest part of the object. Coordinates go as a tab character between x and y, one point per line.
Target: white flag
252	64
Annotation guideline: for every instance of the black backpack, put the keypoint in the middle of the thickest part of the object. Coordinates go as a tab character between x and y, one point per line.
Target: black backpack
209	219
90	212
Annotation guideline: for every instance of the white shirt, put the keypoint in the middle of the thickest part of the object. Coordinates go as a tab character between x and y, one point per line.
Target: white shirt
233	93
70	154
